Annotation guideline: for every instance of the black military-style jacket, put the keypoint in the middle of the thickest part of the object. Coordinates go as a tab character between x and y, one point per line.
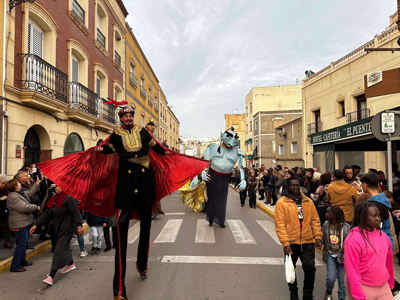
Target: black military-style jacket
136	181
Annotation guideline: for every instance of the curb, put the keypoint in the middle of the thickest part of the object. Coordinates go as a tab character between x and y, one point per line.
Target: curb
268	212
6	264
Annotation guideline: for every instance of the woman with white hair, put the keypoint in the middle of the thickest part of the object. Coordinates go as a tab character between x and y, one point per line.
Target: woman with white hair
314	185
4	211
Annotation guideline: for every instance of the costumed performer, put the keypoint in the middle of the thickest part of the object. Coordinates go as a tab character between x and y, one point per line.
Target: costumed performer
135	188
133	176
194	194
222	159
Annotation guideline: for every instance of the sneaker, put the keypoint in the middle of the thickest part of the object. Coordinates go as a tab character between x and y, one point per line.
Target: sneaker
328	295
48	280
83	254
93	251
68	268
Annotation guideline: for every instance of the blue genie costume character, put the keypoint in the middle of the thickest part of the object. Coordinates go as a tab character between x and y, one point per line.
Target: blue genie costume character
222	159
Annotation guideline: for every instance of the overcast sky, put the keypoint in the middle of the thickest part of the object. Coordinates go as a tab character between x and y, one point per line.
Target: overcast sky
209	54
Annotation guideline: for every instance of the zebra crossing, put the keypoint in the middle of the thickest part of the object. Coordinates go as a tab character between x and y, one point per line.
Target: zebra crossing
204	233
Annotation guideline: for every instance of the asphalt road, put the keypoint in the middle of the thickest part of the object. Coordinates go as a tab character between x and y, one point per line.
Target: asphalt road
188	260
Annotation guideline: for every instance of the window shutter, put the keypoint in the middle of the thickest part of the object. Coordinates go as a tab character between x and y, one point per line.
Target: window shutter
75	70
98	82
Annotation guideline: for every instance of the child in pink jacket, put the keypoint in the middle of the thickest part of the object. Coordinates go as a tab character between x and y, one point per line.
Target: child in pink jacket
369	259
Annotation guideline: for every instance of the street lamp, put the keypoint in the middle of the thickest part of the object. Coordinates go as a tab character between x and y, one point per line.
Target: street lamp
280	130
14	3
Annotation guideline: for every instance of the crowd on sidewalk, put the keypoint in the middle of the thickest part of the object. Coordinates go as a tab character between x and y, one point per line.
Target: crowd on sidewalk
352	216
32	204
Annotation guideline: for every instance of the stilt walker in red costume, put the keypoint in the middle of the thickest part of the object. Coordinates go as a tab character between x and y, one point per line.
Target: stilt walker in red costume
136	171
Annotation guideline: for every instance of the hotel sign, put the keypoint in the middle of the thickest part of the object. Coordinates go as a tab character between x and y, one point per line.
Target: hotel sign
351	130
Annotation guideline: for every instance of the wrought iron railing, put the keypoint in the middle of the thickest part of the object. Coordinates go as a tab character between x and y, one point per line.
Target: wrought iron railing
117	58
314	128
133	80
39	75
151	102
101	38
107	112
156	106
78	11
357	115
143	92
84	99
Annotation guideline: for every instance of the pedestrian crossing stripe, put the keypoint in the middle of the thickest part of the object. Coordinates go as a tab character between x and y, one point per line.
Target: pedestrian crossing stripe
204	233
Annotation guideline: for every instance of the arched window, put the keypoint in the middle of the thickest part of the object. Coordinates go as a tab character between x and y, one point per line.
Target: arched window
73	144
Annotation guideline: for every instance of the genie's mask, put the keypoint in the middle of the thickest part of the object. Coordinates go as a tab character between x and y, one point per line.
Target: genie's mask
229	138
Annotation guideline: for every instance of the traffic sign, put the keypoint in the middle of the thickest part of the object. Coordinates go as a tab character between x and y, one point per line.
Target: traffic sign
377	126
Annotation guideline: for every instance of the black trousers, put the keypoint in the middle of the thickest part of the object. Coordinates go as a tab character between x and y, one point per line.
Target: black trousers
274	199
124	215
242	196
114	236
306	253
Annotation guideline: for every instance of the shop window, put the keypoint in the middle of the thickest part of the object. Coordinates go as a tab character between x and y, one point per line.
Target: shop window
293	148
281	150
73	144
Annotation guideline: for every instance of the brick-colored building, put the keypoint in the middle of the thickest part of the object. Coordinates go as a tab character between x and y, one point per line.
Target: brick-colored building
63	59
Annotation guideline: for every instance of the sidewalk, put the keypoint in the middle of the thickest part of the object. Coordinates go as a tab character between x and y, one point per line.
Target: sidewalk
270	210
6	255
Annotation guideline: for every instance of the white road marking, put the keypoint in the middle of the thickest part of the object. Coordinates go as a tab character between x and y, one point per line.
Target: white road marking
175	214
133	233
204	233
170	231
231	260
101	258
241	234
269	228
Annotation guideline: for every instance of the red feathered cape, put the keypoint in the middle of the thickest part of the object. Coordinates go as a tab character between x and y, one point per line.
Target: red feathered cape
91	177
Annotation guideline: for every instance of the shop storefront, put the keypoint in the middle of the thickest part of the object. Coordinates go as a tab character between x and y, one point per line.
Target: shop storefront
350	144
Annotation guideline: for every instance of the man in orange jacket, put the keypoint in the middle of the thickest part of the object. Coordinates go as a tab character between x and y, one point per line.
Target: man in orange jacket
297	225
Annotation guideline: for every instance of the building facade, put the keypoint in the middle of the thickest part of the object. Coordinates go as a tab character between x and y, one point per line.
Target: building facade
64	59
173	139
142	87
163	128
336	113
264	145
275	105
288	141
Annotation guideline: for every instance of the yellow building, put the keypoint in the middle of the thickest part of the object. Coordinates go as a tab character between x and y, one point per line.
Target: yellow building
142	85
172	130
238	122
337	114
63	61
2	76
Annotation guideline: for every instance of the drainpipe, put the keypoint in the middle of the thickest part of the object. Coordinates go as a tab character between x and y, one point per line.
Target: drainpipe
6	114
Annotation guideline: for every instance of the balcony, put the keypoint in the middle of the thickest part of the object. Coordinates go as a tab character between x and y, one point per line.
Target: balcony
143	92
151	102
156	106
107	120
101	38
85	104
43	86
133	80
357	115
117	58
78	11
314	128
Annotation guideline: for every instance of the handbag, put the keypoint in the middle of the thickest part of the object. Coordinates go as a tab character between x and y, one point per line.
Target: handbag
290	271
